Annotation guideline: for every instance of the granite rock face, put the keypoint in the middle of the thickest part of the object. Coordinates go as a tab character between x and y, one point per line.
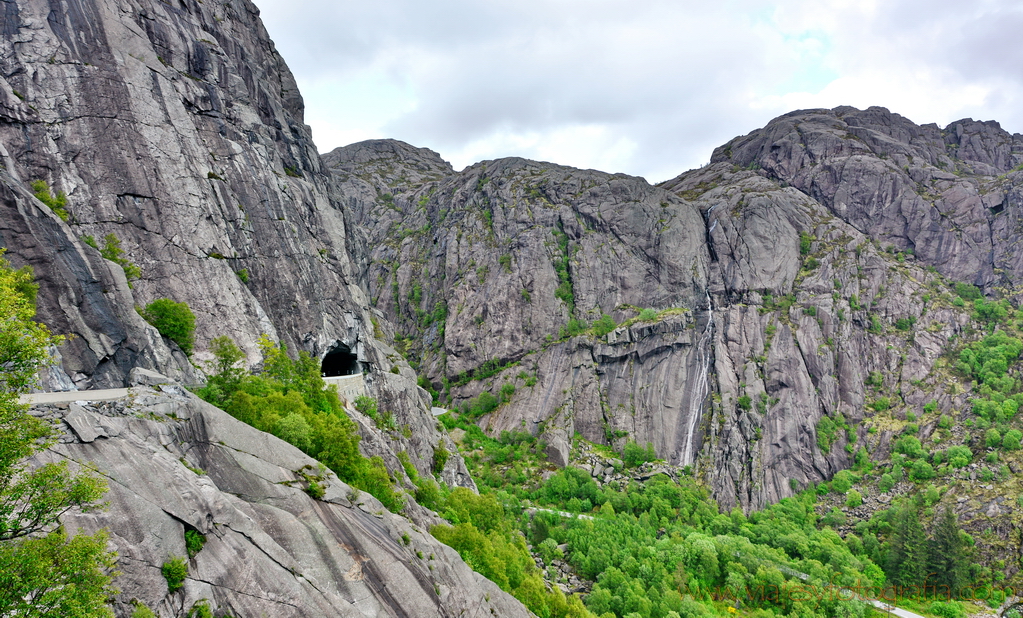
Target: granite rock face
270	549
805	273
178	129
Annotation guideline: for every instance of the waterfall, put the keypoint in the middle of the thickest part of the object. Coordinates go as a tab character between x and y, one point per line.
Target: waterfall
700	383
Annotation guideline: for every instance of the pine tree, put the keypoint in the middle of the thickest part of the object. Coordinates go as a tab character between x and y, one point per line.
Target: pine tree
908	554
950	557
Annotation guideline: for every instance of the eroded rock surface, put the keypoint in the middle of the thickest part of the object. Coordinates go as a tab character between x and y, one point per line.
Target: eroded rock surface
809	258
179	130
174	463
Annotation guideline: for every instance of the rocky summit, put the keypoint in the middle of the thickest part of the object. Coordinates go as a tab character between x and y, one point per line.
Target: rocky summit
793	309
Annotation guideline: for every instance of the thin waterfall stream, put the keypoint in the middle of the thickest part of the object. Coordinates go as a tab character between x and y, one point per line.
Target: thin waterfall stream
700	383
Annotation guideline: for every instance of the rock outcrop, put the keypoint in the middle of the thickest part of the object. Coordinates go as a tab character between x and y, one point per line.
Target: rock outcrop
178	130
807	258
175	464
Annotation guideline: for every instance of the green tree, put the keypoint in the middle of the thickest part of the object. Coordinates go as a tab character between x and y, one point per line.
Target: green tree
853	498
175	321
949	554
43	572
908	554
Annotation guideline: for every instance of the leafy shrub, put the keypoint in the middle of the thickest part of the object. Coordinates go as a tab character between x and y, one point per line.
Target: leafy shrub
648	315
366	405
842	482
987	361
828	430
905	323
992	438
853	499
440	457
805	242
834	518
909	446
948	609
175	321
959	456
1011	440
886	483
604	325
634	455
745	403
507	390
141	610
175	571
881	404
194	542
967	291
57	203
112	251
875	325
485	403
922	471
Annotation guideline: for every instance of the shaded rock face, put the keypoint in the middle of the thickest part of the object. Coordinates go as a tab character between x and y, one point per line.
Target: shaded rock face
179	129
84	294
804	262
950	195
270	550
490	263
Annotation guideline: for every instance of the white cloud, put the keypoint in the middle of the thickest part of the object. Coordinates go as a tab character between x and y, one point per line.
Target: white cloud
646	87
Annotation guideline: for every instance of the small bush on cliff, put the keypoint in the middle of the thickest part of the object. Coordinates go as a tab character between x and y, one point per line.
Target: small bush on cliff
194	542
57	203
112	251
440	457
175	321
604	325
635	455
175	571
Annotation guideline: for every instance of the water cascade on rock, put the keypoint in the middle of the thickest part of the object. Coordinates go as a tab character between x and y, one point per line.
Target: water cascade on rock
699	379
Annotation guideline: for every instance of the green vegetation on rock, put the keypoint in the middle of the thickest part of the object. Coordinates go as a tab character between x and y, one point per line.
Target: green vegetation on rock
174	320
290	400
44	571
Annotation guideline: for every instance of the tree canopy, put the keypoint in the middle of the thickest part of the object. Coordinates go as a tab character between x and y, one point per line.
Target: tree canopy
44	572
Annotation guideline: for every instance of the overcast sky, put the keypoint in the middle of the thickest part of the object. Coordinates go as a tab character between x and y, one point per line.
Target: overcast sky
646	87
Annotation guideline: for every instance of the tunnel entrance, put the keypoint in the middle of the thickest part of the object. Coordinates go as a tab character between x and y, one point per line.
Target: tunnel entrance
340	361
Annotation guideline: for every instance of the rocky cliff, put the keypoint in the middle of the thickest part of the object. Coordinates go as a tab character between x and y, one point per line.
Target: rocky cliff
174	134
806	258
270	549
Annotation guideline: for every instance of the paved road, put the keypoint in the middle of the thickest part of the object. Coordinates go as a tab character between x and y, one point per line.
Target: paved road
901	613
562	513
69	396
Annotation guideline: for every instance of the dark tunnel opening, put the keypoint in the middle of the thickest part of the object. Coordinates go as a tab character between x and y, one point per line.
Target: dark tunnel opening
340	361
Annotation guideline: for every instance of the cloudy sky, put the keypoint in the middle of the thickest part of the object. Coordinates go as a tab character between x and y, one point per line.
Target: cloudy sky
646	87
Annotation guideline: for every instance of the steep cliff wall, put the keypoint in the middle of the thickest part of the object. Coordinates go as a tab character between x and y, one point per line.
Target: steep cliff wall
785	275
178	128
